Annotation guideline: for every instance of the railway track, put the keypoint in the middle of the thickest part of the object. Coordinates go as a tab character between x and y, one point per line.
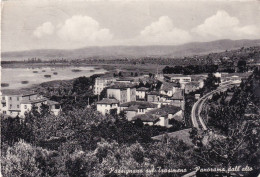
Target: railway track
196	118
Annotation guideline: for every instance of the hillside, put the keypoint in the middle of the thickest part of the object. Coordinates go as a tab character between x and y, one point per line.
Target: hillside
111	52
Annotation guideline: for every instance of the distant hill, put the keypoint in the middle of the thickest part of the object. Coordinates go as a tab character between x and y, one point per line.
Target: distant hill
111	52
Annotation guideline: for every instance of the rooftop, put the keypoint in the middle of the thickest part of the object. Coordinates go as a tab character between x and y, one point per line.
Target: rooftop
108	101
122	86
139	104
178	95
146	117
10	92
34	101
176	75
153	93
142	89
165	110
169	86
193	83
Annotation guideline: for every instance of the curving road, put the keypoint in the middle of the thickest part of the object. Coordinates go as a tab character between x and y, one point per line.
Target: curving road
197	120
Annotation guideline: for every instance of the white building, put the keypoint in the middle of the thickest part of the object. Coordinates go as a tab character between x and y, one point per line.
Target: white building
178	78
122	92
104	106
16	103
141	93
101	83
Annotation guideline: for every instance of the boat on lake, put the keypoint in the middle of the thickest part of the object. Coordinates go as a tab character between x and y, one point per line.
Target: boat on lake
25	82
4	85
76	70
47	75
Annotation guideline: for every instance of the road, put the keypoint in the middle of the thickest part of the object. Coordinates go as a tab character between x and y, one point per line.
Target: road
197	120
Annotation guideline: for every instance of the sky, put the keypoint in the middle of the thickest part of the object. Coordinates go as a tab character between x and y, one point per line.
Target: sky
67	24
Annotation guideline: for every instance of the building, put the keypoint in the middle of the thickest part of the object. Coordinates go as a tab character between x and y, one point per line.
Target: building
141	93
153	97
178	99
148	119
178	78
160	116
101	83
11	101
106	105
122	92
169	112
16	103
134	108
193	86
169	88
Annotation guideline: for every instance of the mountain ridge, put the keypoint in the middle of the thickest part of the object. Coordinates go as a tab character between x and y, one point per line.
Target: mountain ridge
109	52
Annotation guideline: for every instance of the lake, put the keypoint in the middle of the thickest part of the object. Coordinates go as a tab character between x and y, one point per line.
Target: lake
15	78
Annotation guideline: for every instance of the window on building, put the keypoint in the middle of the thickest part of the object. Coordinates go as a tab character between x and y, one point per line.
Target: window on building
4	104
10	105
3	98
4	112
17	98
18	106
10	98
25	106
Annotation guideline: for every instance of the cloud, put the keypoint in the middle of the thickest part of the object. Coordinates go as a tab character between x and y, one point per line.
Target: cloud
83	29
222	25
45	29
164	32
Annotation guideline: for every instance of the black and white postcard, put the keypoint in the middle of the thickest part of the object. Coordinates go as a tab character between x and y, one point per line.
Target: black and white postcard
149	88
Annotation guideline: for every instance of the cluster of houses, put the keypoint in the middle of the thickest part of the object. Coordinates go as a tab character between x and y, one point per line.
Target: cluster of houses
17	103
151	102
151	106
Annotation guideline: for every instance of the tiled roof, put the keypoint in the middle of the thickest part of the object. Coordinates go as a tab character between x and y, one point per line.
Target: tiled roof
142	89
193	83
165	110
178	95
108	101
153	93
146	117
10	92
139	104
34	101
169	86
122	86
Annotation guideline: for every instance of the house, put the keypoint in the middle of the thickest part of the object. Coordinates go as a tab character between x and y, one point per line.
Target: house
54	107
122	92
141	93
27	105
169	88
134	108
169	112
11	101
193	86
147	119
178	99
101	83
106	105
177	78
16	103
153	97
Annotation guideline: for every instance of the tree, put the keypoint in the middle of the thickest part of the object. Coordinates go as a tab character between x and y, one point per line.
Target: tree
25	160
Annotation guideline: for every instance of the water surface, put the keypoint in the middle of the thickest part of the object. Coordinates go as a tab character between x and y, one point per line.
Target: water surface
15	76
